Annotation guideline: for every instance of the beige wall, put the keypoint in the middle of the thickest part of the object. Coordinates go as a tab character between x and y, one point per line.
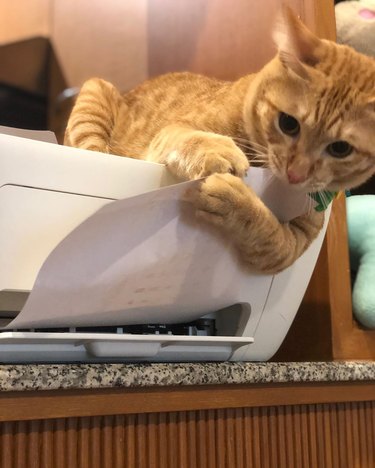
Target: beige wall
105	38
125	41
101	38
21	19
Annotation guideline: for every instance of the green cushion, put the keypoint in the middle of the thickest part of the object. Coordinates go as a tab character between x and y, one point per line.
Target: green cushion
361	228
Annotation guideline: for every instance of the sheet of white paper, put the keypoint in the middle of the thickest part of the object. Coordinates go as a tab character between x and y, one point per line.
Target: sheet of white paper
145	259
38	135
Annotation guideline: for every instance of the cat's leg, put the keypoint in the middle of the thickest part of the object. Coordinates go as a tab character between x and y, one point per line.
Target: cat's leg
192	154
263	242
93	116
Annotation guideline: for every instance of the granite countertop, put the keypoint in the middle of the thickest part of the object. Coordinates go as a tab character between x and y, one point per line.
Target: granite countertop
85	376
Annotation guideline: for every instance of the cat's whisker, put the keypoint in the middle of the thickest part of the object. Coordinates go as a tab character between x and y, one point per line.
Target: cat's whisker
307	202
310	204
277	164
269	180
256	155
324	197
244	147
246	140
260	152
243	140
259	147
248	149
259	157
262	149
261	162
251	144
311	201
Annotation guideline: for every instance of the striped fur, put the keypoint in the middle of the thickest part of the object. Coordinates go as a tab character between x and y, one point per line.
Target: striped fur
202	127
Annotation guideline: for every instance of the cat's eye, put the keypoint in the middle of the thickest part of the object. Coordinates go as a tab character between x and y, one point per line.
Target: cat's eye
339	149
288	124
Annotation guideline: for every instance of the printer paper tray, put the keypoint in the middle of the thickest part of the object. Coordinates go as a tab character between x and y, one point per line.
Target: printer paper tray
112	347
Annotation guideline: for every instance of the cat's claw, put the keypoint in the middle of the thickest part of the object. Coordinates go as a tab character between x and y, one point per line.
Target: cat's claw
234	163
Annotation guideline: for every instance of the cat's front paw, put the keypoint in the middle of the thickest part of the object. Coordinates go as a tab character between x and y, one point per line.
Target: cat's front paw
224	160
223	200
202	154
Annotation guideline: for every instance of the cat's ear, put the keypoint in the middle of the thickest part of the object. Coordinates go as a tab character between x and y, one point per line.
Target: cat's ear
297	45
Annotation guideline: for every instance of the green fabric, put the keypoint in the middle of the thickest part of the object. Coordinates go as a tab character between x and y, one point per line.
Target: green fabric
323	199
361	229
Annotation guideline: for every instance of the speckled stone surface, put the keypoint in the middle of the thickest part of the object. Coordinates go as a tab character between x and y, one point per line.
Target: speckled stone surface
81	376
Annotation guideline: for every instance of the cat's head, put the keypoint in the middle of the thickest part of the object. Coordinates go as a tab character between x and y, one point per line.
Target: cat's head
311	111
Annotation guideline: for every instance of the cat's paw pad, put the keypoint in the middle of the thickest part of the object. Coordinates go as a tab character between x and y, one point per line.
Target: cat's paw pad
220	199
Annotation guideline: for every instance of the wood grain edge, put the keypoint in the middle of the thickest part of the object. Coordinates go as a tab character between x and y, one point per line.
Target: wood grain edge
72	403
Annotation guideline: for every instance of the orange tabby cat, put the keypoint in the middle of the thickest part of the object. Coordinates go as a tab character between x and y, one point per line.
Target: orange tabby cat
309	115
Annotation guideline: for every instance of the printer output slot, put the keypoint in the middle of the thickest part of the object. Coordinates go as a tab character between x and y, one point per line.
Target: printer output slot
168	347
232	320
225	322
110	347
214	337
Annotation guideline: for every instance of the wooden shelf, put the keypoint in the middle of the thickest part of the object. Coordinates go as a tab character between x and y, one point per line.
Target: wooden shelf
283	426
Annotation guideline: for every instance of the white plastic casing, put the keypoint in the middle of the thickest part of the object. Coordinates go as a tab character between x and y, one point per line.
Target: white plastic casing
46	190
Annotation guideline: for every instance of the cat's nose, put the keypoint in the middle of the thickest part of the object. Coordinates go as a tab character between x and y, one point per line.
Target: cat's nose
294	177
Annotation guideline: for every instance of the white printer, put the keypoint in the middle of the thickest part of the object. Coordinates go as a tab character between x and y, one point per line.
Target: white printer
46	190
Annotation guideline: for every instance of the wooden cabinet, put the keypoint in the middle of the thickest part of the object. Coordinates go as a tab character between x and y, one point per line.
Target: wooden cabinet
258	426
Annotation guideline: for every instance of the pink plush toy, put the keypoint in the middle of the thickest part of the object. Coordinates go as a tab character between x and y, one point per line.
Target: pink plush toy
355	23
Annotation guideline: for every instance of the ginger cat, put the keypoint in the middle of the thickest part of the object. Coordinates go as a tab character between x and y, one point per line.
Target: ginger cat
308	115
